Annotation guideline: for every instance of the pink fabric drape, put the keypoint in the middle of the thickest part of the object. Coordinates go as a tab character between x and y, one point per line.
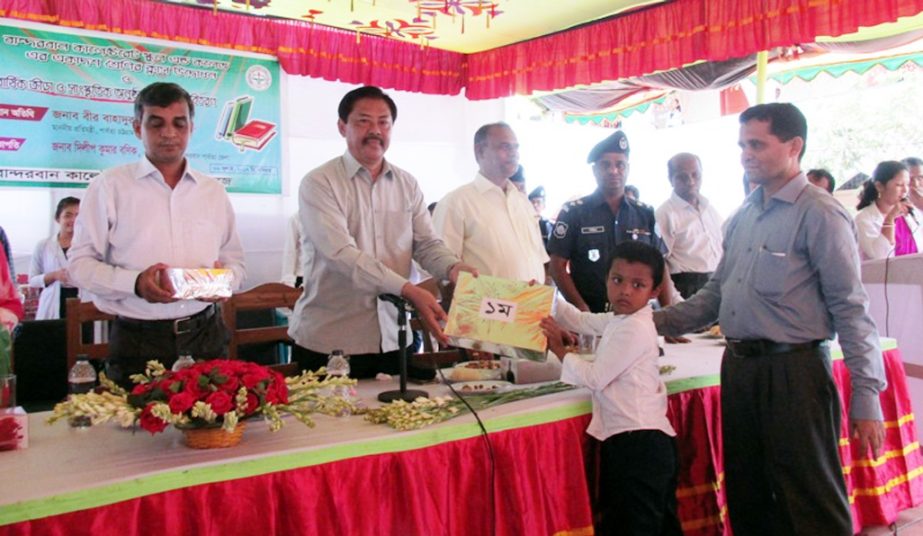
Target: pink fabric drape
302	48
664	36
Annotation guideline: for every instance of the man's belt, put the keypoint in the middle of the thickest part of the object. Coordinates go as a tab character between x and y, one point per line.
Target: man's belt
178	326
760	347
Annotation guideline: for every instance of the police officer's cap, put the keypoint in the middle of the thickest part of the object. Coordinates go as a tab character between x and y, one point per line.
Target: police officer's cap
616	143
538	192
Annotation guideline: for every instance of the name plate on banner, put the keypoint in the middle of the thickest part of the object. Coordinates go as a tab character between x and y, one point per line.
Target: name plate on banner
500	316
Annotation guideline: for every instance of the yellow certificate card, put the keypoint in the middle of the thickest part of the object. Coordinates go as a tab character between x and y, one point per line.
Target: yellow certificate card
499	316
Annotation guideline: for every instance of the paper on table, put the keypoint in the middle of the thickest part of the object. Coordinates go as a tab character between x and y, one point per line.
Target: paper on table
500	316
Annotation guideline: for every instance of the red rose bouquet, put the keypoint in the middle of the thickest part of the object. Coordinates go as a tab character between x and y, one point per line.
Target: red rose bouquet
210	394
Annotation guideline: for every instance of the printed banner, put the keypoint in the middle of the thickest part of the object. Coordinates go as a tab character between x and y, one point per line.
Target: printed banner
67	105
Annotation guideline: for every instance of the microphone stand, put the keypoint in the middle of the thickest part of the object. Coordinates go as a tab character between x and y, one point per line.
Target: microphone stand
403	393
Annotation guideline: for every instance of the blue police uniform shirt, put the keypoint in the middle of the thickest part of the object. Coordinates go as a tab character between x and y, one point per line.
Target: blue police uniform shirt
587	231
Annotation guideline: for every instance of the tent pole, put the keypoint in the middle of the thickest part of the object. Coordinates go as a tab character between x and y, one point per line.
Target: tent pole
762	59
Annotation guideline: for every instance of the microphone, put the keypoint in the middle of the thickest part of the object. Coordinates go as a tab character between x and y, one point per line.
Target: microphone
909	205
407	395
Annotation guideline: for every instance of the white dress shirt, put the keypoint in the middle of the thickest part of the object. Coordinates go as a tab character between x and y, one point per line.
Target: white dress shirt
360	237
131	219
47	257
624	379
493	230
293	255
874	245
692	236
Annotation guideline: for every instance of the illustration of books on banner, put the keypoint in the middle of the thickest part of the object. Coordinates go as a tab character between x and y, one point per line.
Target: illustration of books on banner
235	125
500	316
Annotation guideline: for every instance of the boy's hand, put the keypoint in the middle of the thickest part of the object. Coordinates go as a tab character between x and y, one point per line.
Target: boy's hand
557	337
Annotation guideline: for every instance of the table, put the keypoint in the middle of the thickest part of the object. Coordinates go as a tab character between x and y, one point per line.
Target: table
350	477
345	476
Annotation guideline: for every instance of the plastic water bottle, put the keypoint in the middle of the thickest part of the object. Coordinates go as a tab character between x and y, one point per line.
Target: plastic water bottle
184	361
338	365
81	380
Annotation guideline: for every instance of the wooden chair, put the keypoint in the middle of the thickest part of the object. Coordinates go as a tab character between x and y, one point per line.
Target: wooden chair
288	370
78	314
440	359
266	296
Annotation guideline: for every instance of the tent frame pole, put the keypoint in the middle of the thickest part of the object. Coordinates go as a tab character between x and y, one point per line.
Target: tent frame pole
762	60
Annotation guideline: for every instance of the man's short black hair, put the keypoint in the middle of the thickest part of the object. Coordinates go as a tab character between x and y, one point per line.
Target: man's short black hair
634	251
824	174
785	121
911	161
632	189
365	92
162	94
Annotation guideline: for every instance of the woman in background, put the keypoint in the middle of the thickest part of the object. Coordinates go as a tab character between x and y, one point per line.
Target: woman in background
886	222
49	263
10	306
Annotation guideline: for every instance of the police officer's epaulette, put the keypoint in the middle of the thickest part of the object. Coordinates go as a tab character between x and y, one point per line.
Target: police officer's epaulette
571	204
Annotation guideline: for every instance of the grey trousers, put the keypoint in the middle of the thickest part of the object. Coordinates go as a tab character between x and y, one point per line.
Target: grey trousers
780	429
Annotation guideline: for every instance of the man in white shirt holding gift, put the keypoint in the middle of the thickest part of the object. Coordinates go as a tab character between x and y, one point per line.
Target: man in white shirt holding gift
364	221
139	219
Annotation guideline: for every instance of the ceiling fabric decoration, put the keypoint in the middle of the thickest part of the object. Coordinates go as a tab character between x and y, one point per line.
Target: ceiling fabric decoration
605	95
464	26
665	36
613	119
302	48
609	101
656	38
857	67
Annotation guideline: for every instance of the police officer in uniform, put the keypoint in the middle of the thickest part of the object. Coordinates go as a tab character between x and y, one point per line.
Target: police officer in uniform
537	198
589	228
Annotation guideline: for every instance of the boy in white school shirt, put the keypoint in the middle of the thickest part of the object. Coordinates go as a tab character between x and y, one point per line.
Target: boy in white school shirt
638	455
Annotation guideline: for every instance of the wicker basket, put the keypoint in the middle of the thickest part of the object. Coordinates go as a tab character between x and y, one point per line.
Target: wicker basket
213	438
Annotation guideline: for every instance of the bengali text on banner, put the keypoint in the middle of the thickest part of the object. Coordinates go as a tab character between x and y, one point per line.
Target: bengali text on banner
66	109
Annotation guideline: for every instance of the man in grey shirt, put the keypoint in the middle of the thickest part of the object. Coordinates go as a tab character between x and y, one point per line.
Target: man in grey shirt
788	280
364	221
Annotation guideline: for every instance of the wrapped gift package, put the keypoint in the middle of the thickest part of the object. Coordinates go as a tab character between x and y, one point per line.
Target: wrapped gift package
200	283
500	316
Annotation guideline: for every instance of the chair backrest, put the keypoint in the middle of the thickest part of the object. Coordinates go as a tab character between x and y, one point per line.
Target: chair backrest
78	314
265	296
440	359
